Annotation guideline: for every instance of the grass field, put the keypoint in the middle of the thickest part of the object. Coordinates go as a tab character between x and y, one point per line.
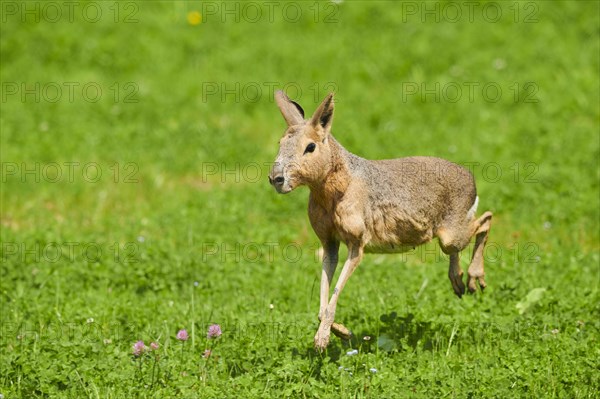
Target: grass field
135	143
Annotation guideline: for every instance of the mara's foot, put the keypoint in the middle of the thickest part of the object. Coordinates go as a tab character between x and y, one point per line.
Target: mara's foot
341	331
322	339
457	283
475	275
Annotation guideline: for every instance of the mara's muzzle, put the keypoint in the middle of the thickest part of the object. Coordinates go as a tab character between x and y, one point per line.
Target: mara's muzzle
277	179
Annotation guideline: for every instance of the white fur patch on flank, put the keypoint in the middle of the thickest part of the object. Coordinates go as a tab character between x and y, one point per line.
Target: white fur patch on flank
473	209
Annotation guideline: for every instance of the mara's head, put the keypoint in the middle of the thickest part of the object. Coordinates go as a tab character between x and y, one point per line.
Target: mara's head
304	150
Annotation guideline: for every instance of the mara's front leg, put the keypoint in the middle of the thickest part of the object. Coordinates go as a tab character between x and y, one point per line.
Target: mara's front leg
327	313
330	261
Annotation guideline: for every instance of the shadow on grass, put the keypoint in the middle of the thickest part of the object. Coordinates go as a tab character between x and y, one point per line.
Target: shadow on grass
395	334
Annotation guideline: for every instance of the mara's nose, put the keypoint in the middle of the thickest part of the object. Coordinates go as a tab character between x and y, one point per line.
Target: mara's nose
276	180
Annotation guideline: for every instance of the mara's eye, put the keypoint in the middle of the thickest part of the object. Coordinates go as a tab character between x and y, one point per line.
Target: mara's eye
310	148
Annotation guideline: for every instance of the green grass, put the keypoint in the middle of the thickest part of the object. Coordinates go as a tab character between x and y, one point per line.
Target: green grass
181	229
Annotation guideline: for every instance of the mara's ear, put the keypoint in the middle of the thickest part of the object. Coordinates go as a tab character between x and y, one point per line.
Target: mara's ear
324	114
292	111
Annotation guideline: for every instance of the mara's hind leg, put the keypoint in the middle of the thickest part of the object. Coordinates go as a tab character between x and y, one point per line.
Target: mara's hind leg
480	228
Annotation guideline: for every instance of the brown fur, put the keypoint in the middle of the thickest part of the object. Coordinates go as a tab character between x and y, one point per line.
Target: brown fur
383	206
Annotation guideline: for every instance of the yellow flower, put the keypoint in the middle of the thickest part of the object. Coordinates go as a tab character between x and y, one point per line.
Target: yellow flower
194	18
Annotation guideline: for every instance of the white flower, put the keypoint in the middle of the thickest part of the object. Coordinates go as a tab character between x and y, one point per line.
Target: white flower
373	370
352	352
